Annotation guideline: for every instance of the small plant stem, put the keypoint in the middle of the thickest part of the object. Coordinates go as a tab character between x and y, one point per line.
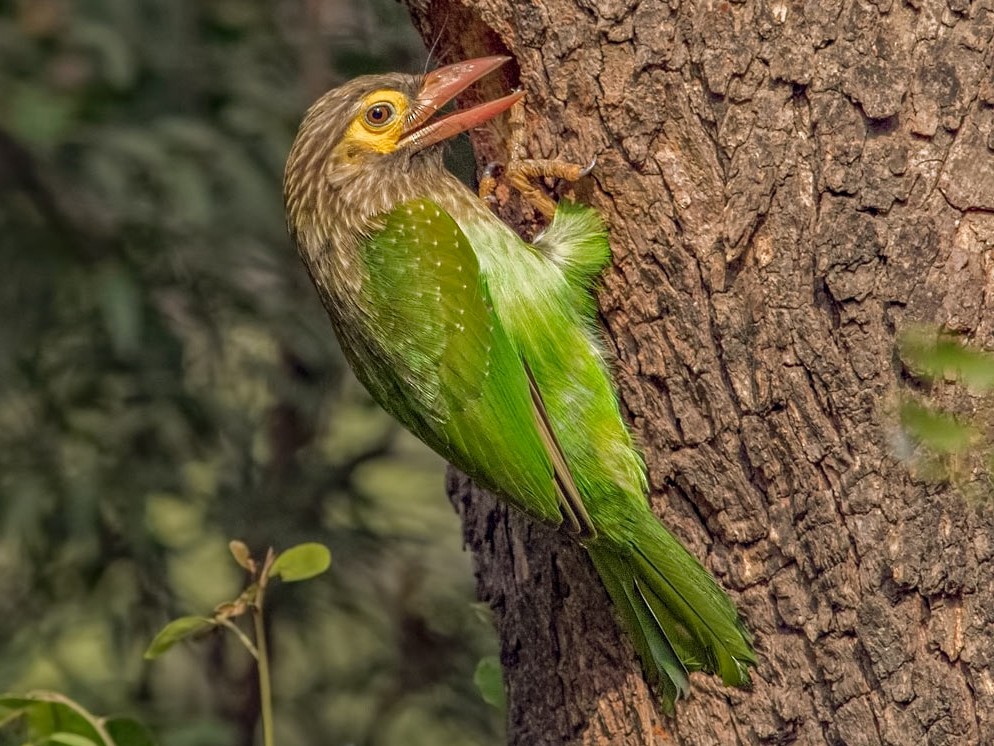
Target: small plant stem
265	690
242	637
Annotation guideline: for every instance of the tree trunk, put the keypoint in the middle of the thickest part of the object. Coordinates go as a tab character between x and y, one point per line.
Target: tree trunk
789	186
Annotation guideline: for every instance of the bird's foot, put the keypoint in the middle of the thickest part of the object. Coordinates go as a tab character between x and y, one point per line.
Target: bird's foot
522	175
522	172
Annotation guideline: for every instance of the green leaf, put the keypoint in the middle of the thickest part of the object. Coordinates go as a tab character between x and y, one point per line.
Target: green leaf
938	356
301	562
54	718
176	630
975	368
128	732
938	431
489	679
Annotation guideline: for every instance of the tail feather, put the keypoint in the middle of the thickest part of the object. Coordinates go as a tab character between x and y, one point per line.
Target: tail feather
677	616
720	643
667	674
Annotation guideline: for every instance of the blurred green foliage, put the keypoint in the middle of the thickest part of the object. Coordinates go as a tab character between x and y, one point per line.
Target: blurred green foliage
168	380
50	719
947	417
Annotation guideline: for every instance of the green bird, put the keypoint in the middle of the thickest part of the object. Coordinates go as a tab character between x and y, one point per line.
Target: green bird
486	347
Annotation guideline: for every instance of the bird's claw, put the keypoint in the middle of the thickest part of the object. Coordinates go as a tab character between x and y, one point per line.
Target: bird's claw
488	182
585	171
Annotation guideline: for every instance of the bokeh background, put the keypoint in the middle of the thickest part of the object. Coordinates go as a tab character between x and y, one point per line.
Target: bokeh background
168	381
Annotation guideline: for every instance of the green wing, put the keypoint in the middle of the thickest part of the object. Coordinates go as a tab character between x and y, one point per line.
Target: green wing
438	359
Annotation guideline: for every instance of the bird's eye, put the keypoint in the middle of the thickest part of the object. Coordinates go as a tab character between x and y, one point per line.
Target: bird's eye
380	114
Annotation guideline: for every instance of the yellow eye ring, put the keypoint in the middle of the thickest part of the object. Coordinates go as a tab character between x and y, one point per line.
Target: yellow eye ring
380	114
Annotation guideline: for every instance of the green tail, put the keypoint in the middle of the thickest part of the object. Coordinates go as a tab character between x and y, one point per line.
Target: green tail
674	611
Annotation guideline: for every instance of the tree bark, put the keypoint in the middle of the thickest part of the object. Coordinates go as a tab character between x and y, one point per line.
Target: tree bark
789	186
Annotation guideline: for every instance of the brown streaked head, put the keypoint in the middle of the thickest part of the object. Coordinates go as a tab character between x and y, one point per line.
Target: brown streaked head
367	144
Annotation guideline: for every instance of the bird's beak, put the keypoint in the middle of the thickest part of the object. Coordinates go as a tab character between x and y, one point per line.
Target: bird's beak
441	86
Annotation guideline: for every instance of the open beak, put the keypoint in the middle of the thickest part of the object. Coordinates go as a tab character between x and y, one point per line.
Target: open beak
441	86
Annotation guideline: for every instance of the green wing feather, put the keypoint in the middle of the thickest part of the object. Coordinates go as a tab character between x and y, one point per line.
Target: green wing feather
444	366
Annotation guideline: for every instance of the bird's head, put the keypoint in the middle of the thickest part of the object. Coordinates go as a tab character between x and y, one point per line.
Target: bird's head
365	145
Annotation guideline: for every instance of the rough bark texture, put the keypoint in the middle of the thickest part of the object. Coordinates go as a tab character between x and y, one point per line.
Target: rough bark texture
788	185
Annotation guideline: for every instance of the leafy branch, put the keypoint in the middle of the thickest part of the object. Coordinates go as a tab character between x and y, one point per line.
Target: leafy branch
298	563
53	719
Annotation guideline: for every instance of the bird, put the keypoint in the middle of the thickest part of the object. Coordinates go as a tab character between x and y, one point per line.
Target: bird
487	347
